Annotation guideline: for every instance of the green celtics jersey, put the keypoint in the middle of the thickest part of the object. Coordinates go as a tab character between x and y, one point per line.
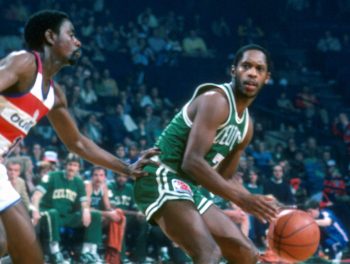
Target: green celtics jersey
172	141
61	193
97	200
122	196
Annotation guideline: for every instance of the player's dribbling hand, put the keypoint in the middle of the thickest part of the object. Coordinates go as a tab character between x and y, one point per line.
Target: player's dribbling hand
145	159
264	207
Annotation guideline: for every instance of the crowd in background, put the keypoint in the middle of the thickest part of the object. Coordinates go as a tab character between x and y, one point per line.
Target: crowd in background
133	77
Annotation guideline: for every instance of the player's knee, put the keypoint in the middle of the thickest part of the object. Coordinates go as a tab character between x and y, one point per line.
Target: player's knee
206	253
246	253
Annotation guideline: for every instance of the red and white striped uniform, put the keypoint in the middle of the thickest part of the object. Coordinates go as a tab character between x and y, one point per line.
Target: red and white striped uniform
20	112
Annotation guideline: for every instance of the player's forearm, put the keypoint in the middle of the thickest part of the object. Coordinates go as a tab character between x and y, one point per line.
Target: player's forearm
206	176
90	151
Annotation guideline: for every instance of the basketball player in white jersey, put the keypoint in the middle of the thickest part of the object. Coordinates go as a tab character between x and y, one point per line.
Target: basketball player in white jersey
27	93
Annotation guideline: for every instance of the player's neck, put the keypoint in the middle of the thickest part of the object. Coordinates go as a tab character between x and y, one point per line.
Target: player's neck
51	65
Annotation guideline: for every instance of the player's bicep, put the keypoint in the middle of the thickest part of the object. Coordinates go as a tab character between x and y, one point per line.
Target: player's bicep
207	119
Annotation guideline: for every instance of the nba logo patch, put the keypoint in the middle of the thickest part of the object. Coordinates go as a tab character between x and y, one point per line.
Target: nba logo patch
181	187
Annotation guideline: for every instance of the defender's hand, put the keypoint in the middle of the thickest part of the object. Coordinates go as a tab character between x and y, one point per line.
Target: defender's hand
145	159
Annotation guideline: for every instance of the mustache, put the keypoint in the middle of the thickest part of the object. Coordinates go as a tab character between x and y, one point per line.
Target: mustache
75	56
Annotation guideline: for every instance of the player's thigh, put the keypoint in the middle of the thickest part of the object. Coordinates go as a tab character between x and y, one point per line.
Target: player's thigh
23	245
182	223
226	233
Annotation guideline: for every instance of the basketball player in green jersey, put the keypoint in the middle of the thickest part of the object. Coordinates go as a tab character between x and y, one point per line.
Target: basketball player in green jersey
62	202
121	196
202	145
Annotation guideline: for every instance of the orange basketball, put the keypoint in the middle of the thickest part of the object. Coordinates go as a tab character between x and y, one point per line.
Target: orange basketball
294	235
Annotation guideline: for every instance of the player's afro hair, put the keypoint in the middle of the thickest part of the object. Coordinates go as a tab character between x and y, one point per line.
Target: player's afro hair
38	23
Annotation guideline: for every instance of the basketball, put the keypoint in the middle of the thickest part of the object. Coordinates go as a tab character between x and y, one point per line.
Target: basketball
294	235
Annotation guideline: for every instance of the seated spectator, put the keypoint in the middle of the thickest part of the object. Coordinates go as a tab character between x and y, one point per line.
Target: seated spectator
13	166
60	201
263	157
109	84
334	184
194	45
114	219
249	33
334	238
278	153
135	240
306	102
142	54
329	43
278	187
285	104
36	155
93	129
257	229
341	129
220	28
88	95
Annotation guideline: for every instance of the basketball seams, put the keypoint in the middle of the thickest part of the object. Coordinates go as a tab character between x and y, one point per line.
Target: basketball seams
279	236
294	245
289	246
298	230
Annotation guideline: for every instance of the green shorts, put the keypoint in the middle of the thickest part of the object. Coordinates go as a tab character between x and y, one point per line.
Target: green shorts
162	185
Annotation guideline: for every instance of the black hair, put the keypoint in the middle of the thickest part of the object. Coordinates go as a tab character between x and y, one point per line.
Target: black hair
95	168
72	157
242	50
38	23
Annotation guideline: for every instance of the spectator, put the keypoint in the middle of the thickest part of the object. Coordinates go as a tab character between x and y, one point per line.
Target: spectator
110	85
249	32
220	28
60	199
13	166
334	238
88	95
279	187
113	219
93	129
257	229
263	157
121	196
194	45
285	104
36	155
126	119
328	43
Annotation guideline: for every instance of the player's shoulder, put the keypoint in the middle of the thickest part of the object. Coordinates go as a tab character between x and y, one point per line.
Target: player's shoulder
20	60
212	90
22	56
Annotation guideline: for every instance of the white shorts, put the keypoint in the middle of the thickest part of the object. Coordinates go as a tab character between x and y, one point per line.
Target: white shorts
8	195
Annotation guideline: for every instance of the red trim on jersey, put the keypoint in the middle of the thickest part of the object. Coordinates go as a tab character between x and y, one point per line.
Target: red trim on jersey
29	104
37	57
9	131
